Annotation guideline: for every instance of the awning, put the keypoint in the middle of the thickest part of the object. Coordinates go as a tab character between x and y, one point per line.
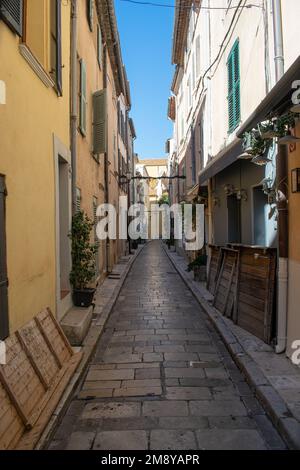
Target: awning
221	161
279	98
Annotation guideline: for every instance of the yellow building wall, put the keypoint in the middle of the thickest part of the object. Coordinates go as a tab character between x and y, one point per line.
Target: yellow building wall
90	173
112	155
294	252
28	120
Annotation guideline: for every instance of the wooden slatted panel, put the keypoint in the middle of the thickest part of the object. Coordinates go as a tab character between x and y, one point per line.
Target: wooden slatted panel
214	268
11	425
225	288
52	330
39	350
34	360
21	377
256	288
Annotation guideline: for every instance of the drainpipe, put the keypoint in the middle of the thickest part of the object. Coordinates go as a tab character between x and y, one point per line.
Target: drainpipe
73	118
278	39
106	170
282	206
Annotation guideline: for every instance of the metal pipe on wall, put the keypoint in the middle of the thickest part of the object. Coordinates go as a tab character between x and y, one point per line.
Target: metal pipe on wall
282	205
73	118
106	170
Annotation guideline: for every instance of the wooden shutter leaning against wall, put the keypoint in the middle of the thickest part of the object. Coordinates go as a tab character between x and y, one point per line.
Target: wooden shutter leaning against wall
4	324
99	122
11	11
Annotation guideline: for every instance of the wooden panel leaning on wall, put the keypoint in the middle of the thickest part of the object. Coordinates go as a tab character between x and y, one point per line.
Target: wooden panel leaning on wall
39	364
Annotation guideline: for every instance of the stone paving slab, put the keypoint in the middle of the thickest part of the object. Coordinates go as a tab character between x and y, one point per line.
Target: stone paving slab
233	439
161	376
121	440
263	368
172	440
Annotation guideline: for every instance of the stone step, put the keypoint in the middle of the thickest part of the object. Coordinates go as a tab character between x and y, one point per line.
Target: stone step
76	323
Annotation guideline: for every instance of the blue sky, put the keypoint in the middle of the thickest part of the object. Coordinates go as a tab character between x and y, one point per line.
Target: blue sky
146	39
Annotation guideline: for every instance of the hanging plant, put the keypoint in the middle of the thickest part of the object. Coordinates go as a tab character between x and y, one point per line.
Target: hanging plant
259	140
255	144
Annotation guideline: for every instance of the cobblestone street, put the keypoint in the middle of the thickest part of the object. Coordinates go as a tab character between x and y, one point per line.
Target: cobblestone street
161	377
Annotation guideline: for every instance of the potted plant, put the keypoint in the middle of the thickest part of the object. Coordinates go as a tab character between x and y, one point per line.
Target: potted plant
83	260
199	267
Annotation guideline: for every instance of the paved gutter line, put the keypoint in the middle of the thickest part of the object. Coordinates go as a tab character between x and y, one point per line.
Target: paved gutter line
89	346
275	407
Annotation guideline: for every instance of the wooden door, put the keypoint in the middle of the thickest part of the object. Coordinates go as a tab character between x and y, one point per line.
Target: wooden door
4	329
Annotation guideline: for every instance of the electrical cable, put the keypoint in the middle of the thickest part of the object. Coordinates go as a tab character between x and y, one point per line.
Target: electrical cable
167	5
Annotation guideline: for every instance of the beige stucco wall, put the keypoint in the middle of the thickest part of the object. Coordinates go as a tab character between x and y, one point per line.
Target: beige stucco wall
112	153
290	23
90	173
28	120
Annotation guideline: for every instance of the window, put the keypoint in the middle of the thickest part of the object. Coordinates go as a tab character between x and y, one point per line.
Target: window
90	13
11	11
189	85
197	56
82	96
78	199
234	103
201	150
55	44
99	46
193	156
115	151
99	122
193	72
42	38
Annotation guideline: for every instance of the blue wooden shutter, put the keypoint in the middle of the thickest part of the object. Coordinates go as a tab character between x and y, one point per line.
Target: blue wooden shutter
82	123
234	100
11	11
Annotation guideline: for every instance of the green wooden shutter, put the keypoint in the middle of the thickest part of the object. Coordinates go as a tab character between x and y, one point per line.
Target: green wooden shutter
99	122
90	13
99	45
4	323
11	11
82	124
234	100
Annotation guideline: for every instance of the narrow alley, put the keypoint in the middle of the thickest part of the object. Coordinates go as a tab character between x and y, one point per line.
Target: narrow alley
161	377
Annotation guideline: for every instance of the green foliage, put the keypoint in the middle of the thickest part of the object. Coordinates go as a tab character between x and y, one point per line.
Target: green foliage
83	252
201	260
260	139
164	200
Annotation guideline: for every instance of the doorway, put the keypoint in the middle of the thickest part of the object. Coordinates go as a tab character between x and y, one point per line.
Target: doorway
4	323
63	225
260	206
234	219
